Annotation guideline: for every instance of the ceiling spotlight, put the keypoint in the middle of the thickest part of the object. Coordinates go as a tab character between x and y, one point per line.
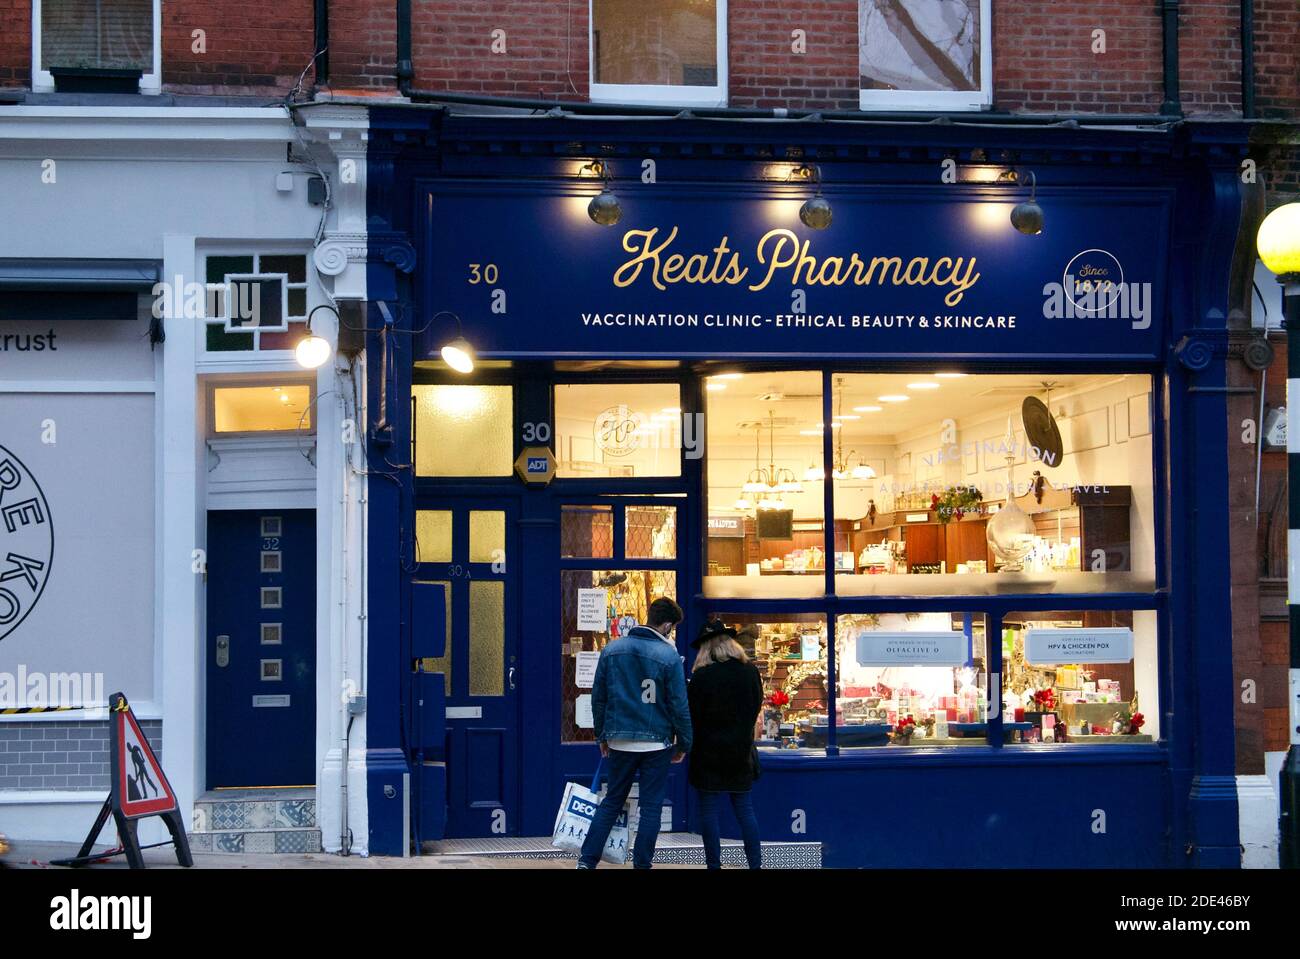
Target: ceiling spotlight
816	210
950	376
1027	217
893	398
867	409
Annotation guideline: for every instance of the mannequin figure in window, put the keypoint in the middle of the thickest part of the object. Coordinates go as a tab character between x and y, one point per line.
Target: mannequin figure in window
726	694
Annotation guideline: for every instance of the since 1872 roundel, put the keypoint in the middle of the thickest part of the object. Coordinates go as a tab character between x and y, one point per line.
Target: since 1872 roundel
26	542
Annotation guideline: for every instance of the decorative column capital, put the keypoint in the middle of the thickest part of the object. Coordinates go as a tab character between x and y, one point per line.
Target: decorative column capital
1200	347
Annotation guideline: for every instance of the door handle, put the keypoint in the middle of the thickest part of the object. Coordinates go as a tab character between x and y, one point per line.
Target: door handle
223	650
510	677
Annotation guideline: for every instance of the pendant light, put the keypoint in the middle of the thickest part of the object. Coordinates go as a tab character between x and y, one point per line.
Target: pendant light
841	469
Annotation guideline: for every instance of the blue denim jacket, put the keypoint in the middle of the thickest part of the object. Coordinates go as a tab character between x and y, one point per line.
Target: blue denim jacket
640	691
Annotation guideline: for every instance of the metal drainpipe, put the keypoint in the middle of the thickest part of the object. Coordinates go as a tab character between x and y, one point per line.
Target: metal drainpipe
322	42
1248	59
1172	107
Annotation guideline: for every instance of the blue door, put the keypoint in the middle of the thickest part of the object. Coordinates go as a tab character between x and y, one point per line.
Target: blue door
468	546
261	648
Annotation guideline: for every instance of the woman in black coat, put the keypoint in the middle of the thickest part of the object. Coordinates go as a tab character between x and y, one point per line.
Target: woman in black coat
725	695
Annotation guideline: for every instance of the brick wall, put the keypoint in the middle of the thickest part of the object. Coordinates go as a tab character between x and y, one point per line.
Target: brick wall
542	51
1277	58
62	755
1043	59
250	46
1043	55
15	43
1209	56
765	70
363	46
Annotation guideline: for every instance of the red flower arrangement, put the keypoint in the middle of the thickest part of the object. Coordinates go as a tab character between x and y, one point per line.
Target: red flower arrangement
1136	722
779	698
1045	700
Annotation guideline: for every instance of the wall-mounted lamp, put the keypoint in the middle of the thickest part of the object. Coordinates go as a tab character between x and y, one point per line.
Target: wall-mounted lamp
604	208
1278	242
816	210
313	351
1027	216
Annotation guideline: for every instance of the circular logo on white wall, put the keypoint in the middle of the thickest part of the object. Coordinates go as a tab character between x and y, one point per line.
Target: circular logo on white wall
26	542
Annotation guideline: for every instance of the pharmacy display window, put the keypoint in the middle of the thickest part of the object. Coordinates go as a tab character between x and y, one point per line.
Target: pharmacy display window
617	557
943	483
1084	676
929	679
911	679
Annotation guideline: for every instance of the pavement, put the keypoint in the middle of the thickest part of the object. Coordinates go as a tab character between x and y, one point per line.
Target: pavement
37	855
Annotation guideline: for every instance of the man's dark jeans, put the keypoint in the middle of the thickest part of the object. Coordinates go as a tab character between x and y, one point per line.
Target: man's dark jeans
623	768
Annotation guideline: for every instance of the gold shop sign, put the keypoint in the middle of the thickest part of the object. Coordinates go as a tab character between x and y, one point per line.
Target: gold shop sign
781	257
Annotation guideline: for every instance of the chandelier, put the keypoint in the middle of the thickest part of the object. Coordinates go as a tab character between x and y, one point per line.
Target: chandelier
843	467
766	484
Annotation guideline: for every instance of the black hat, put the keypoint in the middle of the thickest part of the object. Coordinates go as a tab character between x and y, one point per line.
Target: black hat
714	627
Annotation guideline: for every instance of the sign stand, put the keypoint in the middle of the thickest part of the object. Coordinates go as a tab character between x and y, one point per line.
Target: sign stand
138	789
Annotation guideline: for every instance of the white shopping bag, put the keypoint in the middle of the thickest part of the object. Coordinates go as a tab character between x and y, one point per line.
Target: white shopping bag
577	810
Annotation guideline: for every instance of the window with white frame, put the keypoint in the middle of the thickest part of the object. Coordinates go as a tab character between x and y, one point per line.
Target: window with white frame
76	40
672	52
255	302
925	54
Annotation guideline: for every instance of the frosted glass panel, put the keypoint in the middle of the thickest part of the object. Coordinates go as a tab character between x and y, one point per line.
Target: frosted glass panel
487	536
433	535
463	430
487	638
442	664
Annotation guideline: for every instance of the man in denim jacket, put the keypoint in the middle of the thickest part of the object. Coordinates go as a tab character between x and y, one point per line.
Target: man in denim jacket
639	705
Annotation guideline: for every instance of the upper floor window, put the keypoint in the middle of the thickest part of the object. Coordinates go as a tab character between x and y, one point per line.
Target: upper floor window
672	52
925	54
109	46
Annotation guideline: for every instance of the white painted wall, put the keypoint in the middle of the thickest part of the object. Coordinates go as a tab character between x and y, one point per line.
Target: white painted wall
168	183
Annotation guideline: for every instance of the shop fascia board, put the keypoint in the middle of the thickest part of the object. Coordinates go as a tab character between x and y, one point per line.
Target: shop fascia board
146	124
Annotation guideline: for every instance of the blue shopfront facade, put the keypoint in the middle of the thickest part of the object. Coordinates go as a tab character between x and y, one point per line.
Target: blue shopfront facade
479	227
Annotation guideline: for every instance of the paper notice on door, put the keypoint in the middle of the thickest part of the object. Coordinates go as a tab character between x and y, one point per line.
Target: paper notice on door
591	610
585	677
582	710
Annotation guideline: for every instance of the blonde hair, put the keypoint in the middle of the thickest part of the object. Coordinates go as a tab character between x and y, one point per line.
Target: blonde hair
719	649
